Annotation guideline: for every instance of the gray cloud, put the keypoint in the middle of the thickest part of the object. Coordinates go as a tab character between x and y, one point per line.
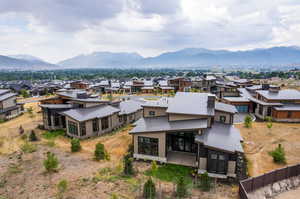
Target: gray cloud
65	15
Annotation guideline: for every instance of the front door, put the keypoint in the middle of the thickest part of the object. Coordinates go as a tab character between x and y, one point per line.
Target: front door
217	162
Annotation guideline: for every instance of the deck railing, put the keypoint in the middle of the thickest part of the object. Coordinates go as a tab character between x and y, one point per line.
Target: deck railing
251	184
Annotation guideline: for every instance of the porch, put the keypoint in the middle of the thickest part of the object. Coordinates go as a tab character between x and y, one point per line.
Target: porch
182	158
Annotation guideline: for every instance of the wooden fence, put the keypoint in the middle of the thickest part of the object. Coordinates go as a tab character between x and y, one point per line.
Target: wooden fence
252	184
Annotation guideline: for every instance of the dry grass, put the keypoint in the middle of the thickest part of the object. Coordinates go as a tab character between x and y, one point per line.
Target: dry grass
259	140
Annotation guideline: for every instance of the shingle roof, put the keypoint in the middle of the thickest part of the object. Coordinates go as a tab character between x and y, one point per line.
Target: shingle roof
83	114
156	124
222	136
225	107
190	103
288	94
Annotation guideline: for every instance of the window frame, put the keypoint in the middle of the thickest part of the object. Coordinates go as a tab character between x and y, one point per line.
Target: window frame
151	113
73	125
148	146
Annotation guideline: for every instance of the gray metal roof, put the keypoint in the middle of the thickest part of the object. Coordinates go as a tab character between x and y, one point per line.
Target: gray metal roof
129	106
163	102
6	96
190	103
56	106
222	136
156	124
3	91
83	114
288	107
288	94
219	106
236	99
90	100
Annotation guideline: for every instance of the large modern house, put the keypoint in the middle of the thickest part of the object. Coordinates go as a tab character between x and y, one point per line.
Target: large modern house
190	129
84	117
8	105
268	101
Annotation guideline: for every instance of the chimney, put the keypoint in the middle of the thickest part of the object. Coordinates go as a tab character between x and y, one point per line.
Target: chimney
211	101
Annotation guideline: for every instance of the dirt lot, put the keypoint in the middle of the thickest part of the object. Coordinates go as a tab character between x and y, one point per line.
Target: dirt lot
289	195
22	175
259	140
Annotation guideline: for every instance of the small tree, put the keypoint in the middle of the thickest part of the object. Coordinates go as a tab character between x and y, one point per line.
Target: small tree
181	189
51	162
153	167
205	182
32	136
278	155
21	130
100	152
75	145
24	93
62	188
248	121
149	191
128	167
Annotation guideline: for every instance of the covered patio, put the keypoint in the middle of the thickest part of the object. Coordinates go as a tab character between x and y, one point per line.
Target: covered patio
182	158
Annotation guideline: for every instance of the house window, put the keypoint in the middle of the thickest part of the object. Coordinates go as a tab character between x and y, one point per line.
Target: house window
56	119
260	109
152	113
223	118
95	125
289	114
82	129
73	129
104	123
130	117
120	119
148	146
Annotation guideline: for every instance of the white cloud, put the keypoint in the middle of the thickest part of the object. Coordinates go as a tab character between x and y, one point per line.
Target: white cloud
57	29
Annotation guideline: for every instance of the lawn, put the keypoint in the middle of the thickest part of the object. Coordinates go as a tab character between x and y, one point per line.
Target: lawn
53	134
171	173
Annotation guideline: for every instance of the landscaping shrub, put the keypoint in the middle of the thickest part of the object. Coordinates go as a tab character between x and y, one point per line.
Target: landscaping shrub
153	167
128	166
53	134
75	145
205	182
181	188
51	162
100	152
149	191
21	130
28	147
24	137
248	121
278	155
62	188
32	136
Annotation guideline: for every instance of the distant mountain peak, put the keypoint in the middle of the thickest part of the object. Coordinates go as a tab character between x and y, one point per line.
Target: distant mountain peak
25	57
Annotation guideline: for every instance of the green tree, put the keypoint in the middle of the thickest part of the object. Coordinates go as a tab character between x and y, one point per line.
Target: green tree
128	166
24	93
62	187
205	182
248	121
32	136
149	191
51	162
75	145
181	188
100	152
278	155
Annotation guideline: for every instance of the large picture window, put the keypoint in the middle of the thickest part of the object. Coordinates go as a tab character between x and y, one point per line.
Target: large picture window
82	129
148	146
95	125
104	123
73	129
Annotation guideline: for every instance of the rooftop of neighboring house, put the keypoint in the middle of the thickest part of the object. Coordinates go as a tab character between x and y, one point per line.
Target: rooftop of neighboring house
84	114
288	107
130	106
7	95
287	94
4	91
162	102
219	106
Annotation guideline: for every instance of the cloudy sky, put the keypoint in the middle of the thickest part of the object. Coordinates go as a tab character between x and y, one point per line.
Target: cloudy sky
58	29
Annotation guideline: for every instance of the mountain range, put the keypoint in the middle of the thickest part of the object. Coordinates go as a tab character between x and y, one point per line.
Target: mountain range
188	57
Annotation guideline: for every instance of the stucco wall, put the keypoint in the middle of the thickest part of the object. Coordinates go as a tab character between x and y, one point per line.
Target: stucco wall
158	111
161	142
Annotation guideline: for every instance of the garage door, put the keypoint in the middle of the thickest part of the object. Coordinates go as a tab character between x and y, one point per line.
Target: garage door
242	109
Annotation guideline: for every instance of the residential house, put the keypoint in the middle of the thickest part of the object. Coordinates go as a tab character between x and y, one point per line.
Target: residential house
9	108
180	84
191	129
